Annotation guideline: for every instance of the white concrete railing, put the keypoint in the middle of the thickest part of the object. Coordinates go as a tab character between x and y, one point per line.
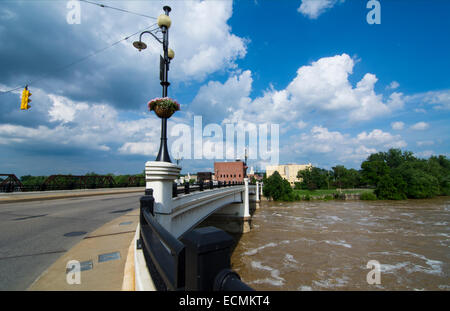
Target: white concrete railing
179	214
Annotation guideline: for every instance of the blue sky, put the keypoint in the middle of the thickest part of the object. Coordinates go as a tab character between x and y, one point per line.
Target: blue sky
338	87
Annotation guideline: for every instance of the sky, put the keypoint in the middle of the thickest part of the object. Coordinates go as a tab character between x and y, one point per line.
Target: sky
337	87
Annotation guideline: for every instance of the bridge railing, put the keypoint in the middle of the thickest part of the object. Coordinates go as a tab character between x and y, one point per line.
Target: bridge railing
199	260
187	188
165	251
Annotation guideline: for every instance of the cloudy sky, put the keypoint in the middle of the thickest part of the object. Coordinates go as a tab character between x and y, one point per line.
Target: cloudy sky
338	87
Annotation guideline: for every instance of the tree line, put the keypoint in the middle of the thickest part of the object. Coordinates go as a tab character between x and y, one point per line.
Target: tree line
394	175
119	180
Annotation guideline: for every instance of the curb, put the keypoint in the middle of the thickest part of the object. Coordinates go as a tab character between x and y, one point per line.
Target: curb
128	271
66	195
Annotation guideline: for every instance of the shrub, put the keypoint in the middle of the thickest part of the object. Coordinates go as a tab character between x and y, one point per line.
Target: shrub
369	196
328	197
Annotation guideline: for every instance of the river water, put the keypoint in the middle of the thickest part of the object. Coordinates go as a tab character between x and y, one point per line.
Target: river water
326	245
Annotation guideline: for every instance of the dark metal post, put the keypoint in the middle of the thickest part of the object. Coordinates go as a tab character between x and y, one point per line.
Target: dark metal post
146	203
163	154
208	251
200	184
174	190
186	187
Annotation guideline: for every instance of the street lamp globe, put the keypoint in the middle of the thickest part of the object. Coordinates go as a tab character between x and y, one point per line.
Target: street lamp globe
170	53
164	20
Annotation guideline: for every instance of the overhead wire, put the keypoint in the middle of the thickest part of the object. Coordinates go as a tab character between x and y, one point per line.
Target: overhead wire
77	61
118	9
96	52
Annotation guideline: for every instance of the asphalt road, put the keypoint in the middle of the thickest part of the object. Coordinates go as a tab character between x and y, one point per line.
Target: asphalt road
35	234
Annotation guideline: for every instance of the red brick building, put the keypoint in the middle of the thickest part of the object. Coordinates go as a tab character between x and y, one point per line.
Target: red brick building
230	171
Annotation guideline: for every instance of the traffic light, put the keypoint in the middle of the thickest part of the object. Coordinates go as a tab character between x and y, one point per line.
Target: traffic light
25	99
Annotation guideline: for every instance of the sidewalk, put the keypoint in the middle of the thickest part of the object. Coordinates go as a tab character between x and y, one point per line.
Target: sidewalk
103	253
61	194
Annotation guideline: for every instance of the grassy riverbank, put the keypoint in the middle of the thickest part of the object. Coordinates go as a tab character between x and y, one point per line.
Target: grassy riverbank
330	194
331	191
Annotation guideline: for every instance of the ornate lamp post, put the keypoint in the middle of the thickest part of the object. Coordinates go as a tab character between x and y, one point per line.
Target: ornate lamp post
164	23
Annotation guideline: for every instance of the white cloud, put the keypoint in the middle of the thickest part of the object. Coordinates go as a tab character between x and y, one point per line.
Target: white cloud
420	110
199	34
396	101
140	148
393	85
425	143
420	126
202	38
216	100
87	126
440	100
63	109
322	88
314	8
398	125
379	138
424	154
339	147
301	124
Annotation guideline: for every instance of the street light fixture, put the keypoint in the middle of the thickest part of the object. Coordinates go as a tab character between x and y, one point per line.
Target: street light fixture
164	23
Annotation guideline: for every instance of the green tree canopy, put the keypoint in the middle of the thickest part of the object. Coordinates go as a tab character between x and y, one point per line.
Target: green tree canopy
277	188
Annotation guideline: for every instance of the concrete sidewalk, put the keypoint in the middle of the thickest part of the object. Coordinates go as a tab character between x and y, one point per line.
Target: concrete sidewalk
103	256
60	194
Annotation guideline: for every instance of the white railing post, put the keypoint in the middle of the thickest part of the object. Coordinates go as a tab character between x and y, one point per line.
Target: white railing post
257	191
160	177
246	199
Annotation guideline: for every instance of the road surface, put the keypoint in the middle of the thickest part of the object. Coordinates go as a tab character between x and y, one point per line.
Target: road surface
35	234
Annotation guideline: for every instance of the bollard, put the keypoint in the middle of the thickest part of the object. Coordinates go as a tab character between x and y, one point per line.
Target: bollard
186	187
200	185
208	252
211	184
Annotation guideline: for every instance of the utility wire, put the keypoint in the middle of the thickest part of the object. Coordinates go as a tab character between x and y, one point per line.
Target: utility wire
118	9
77	61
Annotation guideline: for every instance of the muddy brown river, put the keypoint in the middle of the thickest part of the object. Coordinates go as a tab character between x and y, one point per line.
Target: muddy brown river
322	245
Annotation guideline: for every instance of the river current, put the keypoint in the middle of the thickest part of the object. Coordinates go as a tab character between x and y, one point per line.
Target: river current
326	245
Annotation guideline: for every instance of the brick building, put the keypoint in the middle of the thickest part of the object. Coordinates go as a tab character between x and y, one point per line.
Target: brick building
230	171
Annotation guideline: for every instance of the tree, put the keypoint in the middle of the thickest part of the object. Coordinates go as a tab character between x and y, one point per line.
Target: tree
420	184
314	178
373	170
386	190
277	188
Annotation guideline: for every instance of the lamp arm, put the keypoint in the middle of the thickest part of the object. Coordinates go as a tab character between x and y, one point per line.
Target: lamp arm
140	37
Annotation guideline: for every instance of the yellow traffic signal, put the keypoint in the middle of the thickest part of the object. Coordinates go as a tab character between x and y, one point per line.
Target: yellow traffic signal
25	99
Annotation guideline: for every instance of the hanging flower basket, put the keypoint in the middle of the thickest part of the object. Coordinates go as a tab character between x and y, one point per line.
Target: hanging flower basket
164	107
